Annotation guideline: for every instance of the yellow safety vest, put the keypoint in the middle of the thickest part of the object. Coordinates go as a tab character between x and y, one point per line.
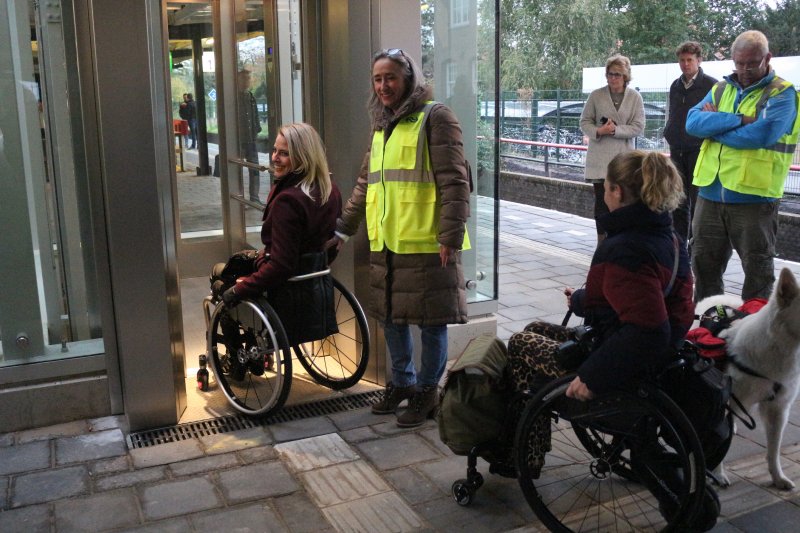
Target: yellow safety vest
759	171
403	207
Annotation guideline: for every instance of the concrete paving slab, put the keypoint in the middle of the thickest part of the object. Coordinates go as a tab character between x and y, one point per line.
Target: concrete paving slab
356	418
412	485
342	483
300	514
162	454
5	483
301	429
61	483
778	518
176	498
251	517
170	525
129	479
110	466
24	457
89	447
252	482
97	513
68	429
257	455
358	434
398	451
316	452
6	439
204	464
107	422
236	440
32	519
484	515
381	512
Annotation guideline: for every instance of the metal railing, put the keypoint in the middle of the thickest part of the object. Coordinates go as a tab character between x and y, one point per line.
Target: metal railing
574	155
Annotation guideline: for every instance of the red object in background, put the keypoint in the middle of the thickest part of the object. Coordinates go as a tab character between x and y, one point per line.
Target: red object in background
180	126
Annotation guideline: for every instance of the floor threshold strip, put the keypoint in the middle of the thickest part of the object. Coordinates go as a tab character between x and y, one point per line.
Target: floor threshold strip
227	424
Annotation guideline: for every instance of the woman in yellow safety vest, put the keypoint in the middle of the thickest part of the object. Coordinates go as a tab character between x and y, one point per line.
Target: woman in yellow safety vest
413	190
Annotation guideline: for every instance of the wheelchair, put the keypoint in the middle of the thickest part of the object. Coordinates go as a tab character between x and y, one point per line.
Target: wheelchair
627	461
250	354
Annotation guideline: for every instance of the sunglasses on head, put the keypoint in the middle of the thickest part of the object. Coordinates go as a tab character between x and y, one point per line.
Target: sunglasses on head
394	53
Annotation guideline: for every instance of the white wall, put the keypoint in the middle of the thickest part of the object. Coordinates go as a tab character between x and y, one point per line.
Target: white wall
659	77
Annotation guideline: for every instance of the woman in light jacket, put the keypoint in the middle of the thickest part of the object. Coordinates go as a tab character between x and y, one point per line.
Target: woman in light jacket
612	118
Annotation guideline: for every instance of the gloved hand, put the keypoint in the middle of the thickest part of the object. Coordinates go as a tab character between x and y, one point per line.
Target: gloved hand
230	297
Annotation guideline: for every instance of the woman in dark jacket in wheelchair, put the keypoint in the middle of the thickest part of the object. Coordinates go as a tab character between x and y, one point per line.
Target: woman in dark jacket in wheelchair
635	321
300	213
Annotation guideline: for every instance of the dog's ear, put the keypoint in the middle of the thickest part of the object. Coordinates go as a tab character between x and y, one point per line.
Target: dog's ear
786	289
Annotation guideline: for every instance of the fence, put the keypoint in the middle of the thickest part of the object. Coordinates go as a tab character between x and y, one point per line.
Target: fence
545	129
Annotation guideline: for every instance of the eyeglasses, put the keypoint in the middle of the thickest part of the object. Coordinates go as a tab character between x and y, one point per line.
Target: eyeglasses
748	68
614	74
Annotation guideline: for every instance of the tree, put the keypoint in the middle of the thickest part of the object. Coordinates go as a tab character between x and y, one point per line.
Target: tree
781	25
648	31
546	43
716	23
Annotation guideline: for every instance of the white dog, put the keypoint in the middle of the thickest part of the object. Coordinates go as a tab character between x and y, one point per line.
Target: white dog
764	364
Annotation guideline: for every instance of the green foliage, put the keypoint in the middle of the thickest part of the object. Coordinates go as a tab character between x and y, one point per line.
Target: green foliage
546	43
781	25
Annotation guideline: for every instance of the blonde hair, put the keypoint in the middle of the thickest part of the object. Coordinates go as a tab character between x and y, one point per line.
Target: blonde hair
649	177
307	154
622	62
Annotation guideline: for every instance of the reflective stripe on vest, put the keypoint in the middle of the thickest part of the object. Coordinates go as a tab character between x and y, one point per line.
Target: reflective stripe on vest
762	171
403	207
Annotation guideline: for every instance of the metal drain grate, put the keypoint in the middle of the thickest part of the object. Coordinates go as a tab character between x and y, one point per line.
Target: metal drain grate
226	424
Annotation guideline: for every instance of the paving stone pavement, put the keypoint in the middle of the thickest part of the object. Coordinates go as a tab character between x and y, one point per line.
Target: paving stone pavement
351	471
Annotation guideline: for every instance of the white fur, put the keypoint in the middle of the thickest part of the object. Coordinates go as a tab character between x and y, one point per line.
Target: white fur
767	342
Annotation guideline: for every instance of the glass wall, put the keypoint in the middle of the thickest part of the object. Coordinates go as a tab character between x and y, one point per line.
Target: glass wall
49	306
461	68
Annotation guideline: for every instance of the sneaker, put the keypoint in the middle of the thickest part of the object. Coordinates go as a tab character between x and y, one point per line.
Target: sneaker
423	405
392	396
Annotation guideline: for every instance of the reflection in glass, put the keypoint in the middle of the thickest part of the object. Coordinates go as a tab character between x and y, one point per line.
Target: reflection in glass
49	308
462	72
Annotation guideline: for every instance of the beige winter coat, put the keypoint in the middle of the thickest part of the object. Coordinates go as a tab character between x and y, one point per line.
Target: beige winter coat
414	288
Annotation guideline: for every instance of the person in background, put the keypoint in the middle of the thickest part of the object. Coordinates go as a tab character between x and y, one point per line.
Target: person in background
249	127
612	118
300	213
749	123
191	117
684	93
413	190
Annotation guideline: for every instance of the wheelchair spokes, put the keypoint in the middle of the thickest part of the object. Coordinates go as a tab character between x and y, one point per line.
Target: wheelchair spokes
339	360
253	374
639	472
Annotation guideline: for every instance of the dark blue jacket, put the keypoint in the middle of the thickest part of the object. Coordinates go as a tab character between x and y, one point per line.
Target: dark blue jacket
624	298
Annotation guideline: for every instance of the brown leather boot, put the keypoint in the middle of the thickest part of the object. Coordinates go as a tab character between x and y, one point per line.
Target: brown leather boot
392	396
423	405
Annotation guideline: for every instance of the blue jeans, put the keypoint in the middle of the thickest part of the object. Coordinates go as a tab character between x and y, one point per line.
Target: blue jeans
401	351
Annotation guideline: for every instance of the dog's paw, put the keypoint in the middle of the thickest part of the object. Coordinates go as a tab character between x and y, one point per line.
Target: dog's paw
783	483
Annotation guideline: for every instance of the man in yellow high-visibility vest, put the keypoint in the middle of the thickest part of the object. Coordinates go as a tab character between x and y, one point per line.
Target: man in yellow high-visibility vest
750	125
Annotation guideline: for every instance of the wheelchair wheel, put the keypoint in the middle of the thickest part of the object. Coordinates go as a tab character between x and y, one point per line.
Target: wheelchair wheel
250	356
624	462
339	360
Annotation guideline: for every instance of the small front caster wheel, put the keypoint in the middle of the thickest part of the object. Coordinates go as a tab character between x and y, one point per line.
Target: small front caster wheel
463	492
475	480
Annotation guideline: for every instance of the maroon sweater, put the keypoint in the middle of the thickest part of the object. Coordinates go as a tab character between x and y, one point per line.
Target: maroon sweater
294	224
